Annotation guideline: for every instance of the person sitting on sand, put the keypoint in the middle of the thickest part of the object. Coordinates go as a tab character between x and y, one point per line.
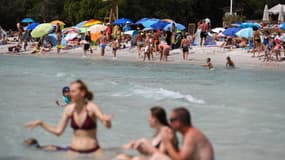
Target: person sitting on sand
65	97
46	48
209	64
83	115
15	49
157	120
230	64
196	146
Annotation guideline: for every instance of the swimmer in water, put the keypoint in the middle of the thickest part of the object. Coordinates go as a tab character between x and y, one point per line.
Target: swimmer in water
65	97
32	142
209	64
230	64
83	115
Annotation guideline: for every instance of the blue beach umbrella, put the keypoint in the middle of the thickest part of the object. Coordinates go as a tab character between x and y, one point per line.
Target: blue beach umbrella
179	26
245	33
32	26
159	25
147	29
247	25
282	26
231	31
142	20
122	21
79	25
149	22
27	20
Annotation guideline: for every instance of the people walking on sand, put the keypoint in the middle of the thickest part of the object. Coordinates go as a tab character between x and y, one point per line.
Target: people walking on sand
204	32
230	64
103	43
115	46
195	146
185	44
208	64
58	37
83	115
87	44
20	33
256	42
140	43
147	48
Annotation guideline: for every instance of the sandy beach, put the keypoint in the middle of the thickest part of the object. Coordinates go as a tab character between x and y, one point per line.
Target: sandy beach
198	55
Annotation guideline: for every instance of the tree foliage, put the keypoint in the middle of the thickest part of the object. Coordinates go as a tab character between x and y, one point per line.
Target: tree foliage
74	11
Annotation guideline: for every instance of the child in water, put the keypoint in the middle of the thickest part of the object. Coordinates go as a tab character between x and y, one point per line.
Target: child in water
230	64
65	97
209	64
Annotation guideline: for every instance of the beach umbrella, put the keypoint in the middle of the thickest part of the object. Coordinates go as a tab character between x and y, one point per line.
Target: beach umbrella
265	17
55	22
247	25
95	36
97	28
91	22
70	36
142	20
218	30
27	20
122	21
32	26
149	22
79	25
41	30
281	15
231	31
178	26
159	25
245	33
131	33
83	30
71	30
168	20
282	26
147	29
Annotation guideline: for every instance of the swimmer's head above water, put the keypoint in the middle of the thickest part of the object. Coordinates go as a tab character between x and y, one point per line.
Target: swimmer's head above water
32	142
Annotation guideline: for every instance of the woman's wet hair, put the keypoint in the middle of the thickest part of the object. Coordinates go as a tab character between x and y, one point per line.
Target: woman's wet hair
160	114
83	87
183	116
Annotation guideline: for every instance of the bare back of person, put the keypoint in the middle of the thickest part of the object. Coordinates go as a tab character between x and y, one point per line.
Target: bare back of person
203	149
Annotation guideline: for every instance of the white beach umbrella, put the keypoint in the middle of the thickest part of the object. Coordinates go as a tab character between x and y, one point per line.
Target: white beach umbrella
281	15
265	17
97	28
218	30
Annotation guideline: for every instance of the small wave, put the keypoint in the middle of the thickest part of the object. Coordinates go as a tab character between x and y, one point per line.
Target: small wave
159	94
60	74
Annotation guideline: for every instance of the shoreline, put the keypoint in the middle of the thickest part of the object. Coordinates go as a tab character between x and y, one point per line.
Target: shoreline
197	56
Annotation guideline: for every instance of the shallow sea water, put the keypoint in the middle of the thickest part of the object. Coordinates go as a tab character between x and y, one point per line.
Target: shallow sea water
242	111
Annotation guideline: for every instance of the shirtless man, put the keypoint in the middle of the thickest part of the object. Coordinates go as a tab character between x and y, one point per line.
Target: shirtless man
185	44
204	32
209	64
196	146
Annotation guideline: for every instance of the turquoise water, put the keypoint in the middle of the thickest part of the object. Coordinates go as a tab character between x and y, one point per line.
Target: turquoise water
242	111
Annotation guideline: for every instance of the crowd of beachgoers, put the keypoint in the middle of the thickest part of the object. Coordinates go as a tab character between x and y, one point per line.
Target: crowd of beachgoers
152	38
